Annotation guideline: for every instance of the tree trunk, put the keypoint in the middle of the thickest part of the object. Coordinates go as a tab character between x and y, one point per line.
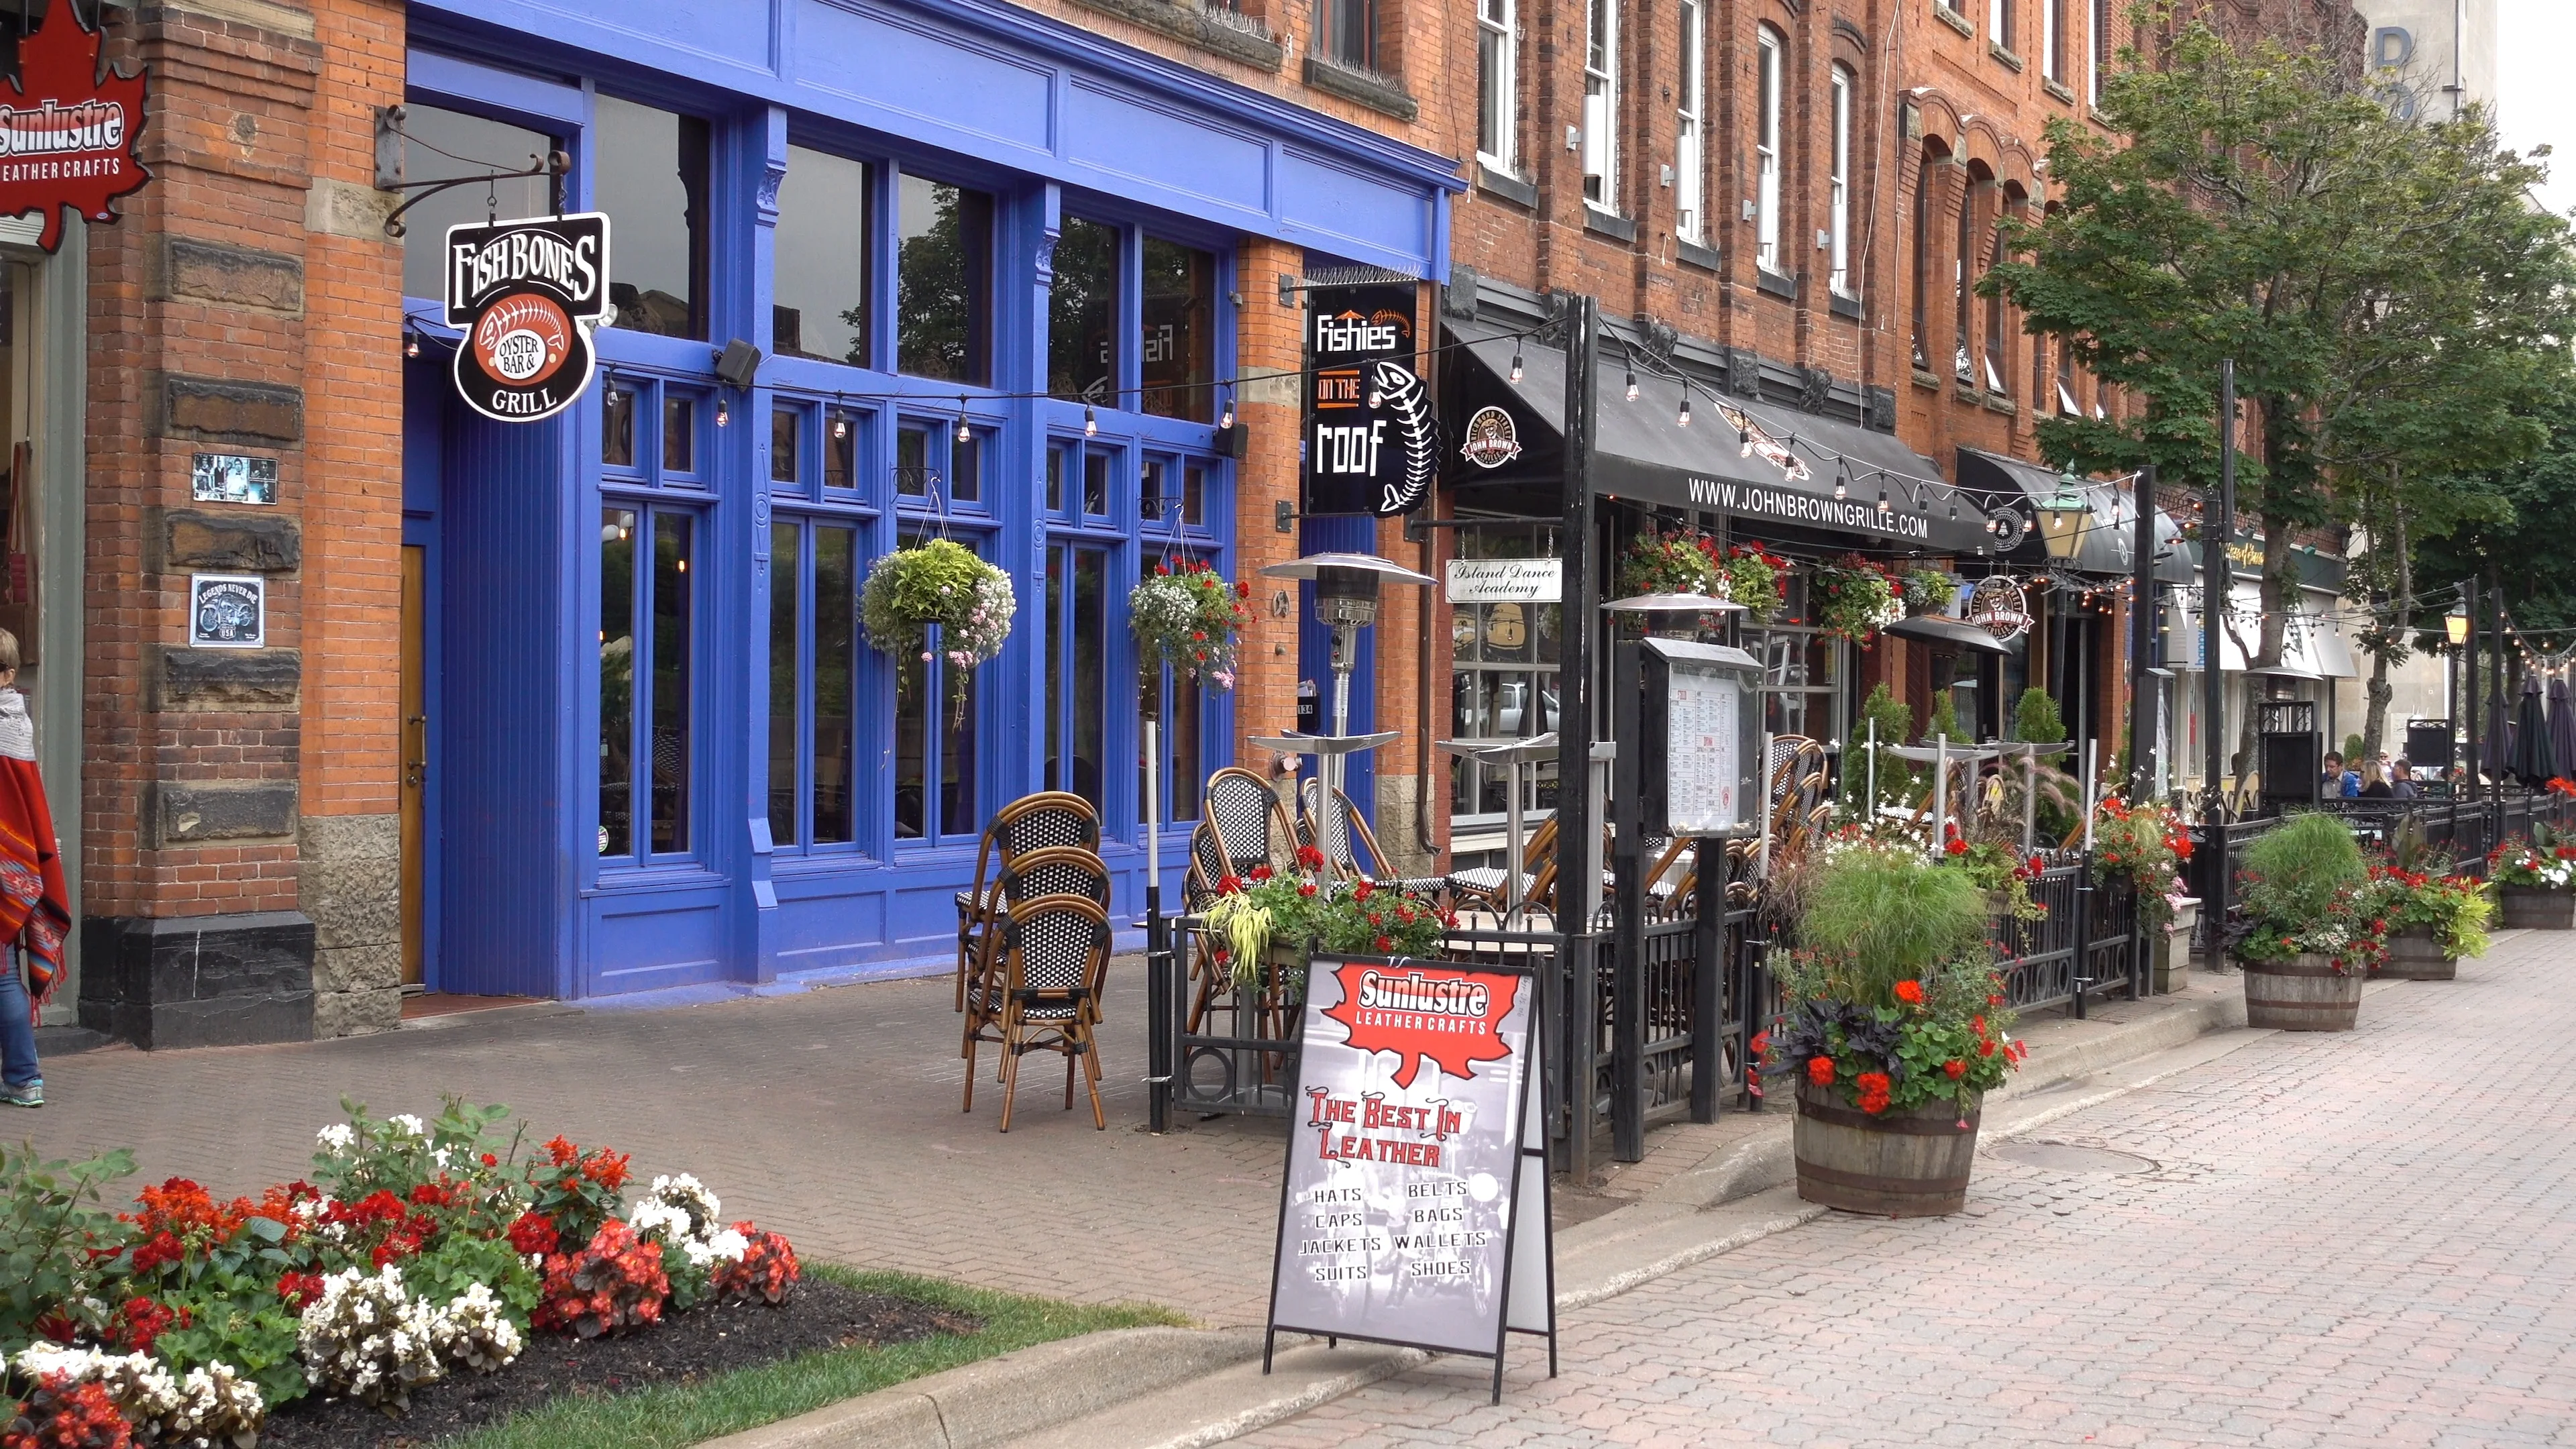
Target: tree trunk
2396	633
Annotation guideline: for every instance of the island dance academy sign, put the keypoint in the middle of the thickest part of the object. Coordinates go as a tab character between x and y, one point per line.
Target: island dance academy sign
527	294
1415	1207
68	129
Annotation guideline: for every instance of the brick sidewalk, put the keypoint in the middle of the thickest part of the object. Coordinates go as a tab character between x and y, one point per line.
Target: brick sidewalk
2351	1240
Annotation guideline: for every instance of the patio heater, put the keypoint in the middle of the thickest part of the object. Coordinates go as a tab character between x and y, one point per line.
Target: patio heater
1346	599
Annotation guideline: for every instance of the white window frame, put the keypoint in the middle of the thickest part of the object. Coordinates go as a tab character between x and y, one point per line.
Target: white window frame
2048	63
1769	46
1838	214
1690	218
1505	155
1601	106
2097	35
1998	28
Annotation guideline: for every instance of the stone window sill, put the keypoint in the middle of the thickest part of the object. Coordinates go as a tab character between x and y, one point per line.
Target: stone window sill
1704	258
1772	282
1842	306
2063	96
1603	223
1376	92
1187	24
1505	185
1926	381
2006	56
1954	20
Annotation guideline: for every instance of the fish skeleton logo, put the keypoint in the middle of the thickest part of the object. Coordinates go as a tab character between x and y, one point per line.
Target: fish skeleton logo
1417	435
68	129
1443	1016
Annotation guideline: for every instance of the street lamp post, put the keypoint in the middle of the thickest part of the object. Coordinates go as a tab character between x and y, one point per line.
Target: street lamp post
2455	627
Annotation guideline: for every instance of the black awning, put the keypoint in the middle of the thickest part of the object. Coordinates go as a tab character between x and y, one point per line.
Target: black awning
2109	543
1755	461
1942	631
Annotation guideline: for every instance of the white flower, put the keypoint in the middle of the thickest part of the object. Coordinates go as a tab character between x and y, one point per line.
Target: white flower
338	1137
407	1124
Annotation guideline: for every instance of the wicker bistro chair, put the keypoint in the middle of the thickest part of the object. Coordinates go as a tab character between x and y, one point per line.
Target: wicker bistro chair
1249	822
1484	884
1052	963
1032	822
1053	870
1349	847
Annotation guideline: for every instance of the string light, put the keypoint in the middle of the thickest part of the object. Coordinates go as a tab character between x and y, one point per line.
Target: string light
411	343
1842	478
724	415
1632	382
1090	422
840	426
964	433
1225	418
1684	419
1516	364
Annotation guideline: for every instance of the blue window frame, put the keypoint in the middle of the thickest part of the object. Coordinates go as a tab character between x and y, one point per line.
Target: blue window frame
818	667
648	609
1173	495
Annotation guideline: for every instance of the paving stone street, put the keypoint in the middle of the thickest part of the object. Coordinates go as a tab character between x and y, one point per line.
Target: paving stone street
2311	1241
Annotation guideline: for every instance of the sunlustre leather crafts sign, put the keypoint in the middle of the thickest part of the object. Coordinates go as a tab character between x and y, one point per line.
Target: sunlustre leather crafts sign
527	294
68	129
1371	445
1415	1205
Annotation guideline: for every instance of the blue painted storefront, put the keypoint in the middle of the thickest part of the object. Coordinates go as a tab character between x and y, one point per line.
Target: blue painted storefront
540	548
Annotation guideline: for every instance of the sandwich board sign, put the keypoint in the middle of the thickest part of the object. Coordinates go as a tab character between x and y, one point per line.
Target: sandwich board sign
1414	1210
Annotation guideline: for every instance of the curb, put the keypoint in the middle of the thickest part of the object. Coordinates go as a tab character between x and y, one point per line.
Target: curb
1044	1389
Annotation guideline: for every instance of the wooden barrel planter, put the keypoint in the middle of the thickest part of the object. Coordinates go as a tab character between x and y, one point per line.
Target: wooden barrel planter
1909	1164
2533	909
2414	955
2304	993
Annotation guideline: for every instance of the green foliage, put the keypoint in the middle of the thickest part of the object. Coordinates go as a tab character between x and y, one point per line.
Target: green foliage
673	1415
2292	873
1944	723
240	1323
1896	778
458	1261
390	1156
1886	914
50	1222
1948	1039
2036	720
2352	751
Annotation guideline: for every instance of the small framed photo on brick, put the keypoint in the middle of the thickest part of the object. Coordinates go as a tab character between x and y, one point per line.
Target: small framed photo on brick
227	611
233	478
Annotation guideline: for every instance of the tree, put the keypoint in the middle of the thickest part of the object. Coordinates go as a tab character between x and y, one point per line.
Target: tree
2388	297
2526	539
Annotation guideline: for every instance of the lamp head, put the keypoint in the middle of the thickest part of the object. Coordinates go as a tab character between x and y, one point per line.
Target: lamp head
2063	517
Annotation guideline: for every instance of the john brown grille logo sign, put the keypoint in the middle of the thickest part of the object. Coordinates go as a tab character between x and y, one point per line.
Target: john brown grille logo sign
527	294
68	129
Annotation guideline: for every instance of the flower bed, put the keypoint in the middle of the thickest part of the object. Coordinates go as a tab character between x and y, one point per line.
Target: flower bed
420	1252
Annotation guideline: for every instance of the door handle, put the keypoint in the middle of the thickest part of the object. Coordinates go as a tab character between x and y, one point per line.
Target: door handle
415	750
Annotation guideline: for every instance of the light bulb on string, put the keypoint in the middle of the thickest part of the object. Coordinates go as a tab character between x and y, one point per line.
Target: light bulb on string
1684	419
724	414
1515	374
840	426
1632	382
1090	422
1842	479
964	433
1882	496
1225	418
411	343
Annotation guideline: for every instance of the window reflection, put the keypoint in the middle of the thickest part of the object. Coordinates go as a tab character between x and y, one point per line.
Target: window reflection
944	282
1082	313
439	144
826	213
1178	351
650	175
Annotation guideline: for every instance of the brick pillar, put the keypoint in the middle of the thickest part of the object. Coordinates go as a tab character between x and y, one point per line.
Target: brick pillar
204	309
1269	344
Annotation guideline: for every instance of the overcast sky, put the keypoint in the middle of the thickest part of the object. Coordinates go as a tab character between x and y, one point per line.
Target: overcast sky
2535	102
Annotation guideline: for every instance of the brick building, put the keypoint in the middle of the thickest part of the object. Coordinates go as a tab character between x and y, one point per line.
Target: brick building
580	707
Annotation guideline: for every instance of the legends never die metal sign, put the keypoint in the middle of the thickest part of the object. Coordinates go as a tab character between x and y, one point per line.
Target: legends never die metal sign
1371	443
1414	1210
527	294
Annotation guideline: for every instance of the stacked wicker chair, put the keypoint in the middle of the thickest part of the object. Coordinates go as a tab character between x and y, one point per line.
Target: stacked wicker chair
1033	940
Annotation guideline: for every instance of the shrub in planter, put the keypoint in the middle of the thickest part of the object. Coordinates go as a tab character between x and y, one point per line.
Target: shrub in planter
2144	845
1353	917
2535	883
1897	1030
2307	939
2434	919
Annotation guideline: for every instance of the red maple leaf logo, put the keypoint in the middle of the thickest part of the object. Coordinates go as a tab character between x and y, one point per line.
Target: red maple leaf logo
1425	1012
68	134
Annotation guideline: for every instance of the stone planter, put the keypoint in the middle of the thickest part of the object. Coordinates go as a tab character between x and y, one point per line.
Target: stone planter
1910	1164
2414	955
2533	908
2172	948
2304	993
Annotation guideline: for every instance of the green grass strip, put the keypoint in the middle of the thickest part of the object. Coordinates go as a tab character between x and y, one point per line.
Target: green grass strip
677	1414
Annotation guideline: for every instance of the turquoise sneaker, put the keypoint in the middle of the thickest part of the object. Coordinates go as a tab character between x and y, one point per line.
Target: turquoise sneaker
30	1095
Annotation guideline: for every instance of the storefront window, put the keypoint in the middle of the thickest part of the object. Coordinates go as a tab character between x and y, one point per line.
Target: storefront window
944	282
617	426
934	748
1503	668
1802	672
813	644
1178	353
1082	313
786	429
645	715
650	176
819	302
441	144
1077	585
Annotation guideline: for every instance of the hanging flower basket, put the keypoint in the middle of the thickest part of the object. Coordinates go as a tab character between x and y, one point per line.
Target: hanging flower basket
1670	563
941	583
1189	619
1757	580
1926	590
1851	597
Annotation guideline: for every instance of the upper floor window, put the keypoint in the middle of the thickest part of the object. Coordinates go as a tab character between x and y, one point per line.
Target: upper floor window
1687	222
1350	32
441	143
944	282
2052	39
1497	61
1601	105
1838	203
1963	279
2066	402
1999	23
1176	358
1998	332
1766	150
2098	50
819	302
649	173
1922	268
1082	313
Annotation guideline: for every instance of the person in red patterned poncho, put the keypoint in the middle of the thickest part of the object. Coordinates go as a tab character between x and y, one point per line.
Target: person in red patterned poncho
35	910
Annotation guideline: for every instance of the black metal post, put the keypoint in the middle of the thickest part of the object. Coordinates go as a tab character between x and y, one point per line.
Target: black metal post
1709	959
2080	971
1575	827
2469	787
2142	642
2502	723
1159	1027
1753	989
1628	907
2214	538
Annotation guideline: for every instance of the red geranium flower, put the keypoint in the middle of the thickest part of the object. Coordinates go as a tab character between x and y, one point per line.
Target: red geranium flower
1309	857
1910	992
1261	872
1820	1070
1873	1092
1955	1067
1228	885
1956	846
